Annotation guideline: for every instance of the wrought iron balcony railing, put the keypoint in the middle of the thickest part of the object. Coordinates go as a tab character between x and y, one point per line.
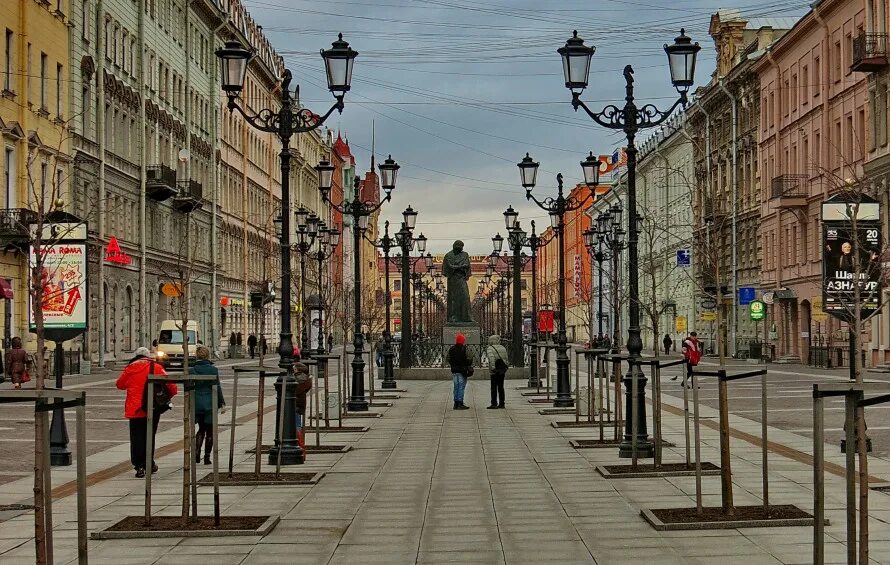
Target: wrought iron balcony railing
160	182
869	52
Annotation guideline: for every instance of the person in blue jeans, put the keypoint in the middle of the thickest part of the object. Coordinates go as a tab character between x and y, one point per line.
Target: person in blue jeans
460	359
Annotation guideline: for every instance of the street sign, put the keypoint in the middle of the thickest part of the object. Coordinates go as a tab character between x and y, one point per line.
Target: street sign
757	309
680	324
769	297
708	304
684	258
746	295
708	316
816	312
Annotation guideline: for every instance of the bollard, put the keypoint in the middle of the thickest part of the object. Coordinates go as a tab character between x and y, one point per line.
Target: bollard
818	478
697	427
725	465
765	442
214	424
849	425
82	481
261	401
232	423
686	415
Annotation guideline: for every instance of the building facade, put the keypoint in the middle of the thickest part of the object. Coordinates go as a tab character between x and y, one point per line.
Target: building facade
813	136
34	118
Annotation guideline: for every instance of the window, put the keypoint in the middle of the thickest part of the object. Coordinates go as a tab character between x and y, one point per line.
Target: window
860	133
43	62
44	177
837	61
849	46
397	285
804	84
795	93
817	77
850	141
60	176
85	21
85	112
59	91
7	62
9	178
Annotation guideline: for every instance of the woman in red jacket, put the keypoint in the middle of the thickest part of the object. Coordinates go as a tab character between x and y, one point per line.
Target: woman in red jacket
133	380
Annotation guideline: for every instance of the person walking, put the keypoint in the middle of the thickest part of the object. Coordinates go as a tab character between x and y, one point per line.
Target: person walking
330	342
460	359
134	380
497	369
17	364
379	346
692	353
668	342
251	345
204	402
264	346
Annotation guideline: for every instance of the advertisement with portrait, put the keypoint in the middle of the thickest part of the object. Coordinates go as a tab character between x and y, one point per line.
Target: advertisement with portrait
839	269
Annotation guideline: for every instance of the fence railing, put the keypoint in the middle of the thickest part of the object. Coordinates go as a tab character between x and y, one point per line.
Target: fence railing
428	353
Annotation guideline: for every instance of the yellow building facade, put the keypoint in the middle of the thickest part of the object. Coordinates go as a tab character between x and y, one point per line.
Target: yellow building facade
34	115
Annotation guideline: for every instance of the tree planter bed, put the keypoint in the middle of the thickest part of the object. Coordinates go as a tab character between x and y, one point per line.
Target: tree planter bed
649	470
581	424
133	527
714	518
595	443
555	411
248	478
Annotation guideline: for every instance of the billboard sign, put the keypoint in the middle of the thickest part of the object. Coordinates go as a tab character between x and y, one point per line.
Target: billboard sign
63	278
842	273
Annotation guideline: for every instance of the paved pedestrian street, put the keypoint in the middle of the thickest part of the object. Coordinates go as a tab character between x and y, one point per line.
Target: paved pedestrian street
428	484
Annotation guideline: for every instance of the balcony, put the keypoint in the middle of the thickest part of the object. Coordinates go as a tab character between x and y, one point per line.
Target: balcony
713	210
789	191
160	182
14	228
869	52
190	196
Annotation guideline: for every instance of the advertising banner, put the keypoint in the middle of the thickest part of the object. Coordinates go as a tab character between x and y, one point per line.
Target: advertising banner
64	286
839	271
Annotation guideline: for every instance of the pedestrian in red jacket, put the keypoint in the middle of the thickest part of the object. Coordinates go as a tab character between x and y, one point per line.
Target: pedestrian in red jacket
133	380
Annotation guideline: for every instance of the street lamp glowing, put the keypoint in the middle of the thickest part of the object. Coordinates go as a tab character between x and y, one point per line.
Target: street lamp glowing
338	61
576	63
510	216
528	171
234	66
681	59
591	168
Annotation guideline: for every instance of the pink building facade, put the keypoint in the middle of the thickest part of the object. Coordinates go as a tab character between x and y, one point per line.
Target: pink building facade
813	134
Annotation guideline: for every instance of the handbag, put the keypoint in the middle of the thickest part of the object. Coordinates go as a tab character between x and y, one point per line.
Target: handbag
468	372
26	376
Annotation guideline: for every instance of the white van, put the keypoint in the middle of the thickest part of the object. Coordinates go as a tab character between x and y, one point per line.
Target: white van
169	349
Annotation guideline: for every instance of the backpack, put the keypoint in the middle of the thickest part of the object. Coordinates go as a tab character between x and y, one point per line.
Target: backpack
500	366
161	400
693	352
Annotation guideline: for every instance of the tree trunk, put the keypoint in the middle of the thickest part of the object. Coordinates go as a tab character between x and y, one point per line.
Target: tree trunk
40	428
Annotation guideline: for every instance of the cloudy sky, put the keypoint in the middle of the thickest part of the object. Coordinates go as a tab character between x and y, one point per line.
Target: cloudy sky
460	90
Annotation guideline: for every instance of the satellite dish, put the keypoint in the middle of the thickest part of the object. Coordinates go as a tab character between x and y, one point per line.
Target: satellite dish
184	155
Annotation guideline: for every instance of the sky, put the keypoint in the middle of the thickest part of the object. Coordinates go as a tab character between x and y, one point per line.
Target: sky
458	91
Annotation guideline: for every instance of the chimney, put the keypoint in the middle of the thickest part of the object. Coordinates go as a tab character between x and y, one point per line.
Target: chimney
765	37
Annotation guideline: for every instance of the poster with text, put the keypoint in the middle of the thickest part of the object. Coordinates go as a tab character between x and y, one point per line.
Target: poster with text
839	270
63	278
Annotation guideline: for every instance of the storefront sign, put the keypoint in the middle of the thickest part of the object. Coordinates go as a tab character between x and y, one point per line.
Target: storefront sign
171	290
757	309
708	316
113	253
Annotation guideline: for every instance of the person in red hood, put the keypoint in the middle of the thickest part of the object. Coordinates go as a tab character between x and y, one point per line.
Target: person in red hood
133	380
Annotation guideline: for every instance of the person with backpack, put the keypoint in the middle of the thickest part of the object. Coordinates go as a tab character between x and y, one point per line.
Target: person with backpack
460	359
134	380
497	367
692	352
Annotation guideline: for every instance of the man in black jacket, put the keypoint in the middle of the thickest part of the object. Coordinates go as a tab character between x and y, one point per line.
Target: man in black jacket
461	361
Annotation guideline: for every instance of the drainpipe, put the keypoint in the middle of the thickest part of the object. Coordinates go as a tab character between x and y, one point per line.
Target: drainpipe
735	204
214	188
100	138
144	335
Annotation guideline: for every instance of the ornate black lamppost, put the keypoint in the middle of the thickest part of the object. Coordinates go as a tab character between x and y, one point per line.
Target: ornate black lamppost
326	245
630	119
285	122
386	243
595	239
309	228
407	242
557	208
360	212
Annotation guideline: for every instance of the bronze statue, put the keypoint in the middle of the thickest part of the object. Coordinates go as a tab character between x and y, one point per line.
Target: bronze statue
456	267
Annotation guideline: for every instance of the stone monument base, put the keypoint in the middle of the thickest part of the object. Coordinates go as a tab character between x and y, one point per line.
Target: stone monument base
471	330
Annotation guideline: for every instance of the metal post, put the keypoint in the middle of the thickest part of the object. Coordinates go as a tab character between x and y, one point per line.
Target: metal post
634	422
80	414
405	344
47	492
818	478
59	454
656	413
533	380
764	443
232	422
214	402
518	359
850	429
149	448
193	467
389	381
261	400
686	416
563	392
697	428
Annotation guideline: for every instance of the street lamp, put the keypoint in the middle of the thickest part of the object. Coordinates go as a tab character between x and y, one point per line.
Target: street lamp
556	208
406	242
307	231
361	212
386	243
284	122
325	247
630	119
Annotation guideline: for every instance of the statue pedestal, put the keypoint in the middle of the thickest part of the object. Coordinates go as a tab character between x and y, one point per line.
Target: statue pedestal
471	330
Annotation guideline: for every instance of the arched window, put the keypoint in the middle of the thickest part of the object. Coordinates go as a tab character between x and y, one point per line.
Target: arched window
129	312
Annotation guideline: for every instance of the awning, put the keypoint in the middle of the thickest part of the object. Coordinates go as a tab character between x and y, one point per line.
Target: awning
6	289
